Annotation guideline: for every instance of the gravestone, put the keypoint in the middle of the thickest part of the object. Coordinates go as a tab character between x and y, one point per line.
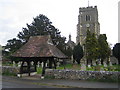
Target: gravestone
89	66
32	63
42	64
38	64
58	64
110	63
94	63
19	64
14	64
101	69
105	65
83	67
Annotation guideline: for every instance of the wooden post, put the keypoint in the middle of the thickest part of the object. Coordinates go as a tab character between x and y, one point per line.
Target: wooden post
28	63
21	68
44	67
50	63
35	63
54	63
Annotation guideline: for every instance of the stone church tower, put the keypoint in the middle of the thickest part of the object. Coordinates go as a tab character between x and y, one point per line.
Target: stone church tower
87	20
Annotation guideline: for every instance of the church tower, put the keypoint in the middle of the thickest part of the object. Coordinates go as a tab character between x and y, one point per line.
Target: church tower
87	20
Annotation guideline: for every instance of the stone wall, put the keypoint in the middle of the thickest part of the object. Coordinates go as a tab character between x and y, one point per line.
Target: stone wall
82	75
10	70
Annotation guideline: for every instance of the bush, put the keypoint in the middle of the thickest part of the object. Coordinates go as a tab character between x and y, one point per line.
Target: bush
8	73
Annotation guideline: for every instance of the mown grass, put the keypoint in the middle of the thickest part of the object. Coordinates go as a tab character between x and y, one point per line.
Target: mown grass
92	68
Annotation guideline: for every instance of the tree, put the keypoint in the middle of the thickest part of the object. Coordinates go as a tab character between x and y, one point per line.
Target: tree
13	45
78	53
116	51
41	25
91	47
104	47
69	51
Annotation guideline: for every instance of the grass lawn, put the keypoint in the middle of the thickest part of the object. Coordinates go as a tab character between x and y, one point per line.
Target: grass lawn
92	68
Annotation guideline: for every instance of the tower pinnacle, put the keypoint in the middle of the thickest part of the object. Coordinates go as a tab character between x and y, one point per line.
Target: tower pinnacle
88	3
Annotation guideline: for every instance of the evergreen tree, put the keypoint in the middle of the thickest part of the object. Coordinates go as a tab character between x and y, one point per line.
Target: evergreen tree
116	51
104	47
91	47
41	25
88	45
78	53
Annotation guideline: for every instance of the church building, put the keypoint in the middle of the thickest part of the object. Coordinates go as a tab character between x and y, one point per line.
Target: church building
87	20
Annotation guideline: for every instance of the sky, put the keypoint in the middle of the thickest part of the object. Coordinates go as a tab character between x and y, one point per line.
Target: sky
15	14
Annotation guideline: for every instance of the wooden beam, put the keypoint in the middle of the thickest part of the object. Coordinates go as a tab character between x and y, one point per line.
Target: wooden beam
21	68
50	62
54	63
28	63
44	67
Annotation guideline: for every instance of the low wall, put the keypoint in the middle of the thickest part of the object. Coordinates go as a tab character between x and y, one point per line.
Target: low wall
82	75
10	70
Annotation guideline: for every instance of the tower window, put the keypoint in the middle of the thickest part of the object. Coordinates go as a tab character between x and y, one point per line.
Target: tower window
87	18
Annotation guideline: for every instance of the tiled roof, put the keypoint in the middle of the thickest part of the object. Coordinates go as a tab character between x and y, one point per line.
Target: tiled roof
39	46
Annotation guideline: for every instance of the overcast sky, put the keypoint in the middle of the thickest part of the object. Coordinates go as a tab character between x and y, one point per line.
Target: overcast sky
14	14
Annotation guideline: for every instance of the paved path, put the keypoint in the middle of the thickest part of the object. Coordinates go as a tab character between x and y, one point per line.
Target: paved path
58	83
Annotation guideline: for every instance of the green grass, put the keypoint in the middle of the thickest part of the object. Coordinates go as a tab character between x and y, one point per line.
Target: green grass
39	70
92	68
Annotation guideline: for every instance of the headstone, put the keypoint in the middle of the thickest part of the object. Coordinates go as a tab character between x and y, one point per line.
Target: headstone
38	64
13	63
89	66
83	67
32	63
58	64
101	69
19	64
94	63
99	61
105	65
42	64
110	63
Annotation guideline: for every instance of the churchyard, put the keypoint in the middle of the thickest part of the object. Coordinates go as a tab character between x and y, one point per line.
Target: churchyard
109	73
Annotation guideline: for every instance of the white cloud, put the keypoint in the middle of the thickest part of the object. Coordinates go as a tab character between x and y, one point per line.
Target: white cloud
63	13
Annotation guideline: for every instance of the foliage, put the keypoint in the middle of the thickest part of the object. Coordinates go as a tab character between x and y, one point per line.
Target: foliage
78	53
91	47
39	70
116	51
8	73
104	50
69	52
41	25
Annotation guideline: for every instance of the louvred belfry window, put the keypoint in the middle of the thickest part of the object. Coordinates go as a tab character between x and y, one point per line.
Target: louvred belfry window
87	18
